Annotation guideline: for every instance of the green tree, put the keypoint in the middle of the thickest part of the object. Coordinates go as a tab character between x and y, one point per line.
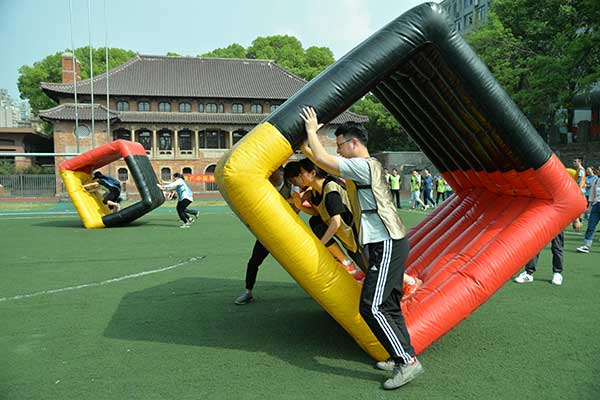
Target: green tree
286	51
385	133
542	51
234	50
50	70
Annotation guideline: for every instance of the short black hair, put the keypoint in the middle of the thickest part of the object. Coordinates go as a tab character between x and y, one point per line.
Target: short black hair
97	174
177	175
291	170
353	130
307	165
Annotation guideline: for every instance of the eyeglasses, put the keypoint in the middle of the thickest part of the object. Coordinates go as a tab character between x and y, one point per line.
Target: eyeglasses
346	141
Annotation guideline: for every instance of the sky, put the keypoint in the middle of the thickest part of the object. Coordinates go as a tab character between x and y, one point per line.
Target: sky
30	30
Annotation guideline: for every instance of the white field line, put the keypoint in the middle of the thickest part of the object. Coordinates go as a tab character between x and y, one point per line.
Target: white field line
106	282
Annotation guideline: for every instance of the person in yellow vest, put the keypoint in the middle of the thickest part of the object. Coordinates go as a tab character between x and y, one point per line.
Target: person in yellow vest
415	190
381	233
440	189
331	216
395	180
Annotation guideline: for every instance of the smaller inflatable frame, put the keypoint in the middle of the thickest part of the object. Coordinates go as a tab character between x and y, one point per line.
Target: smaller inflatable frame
77	171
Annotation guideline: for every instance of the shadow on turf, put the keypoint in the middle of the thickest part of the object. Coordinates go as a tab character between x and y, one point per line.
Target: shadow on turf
283	322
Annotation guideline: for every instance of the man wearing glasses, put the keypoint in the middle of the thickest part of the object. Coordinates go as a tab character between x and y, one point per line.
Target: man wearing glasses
382	234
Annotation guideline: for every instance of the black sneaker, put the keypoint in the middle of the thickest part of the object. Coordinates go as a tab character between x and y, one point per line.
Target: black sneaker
244	299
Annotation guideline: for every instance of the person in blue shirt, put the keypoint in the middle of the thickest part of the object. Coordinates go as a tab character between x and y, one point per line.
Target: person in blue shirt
184	199
111	186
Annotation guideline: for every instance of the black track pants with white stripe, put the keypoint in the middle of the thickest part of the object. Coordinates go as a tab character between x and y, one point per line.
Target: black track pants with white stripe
381	295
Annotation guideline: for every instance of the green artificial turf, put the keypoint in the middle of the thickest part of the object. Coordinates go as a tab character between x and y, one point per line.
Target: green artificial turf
176	334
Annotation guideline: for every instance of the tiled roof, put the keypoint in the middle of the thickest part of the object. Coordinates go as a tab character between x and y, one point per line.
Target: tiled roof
66	112
161	76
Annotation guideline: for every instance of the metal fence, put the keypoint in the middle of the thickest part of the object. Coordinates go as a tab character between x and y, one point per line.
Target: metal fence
22	185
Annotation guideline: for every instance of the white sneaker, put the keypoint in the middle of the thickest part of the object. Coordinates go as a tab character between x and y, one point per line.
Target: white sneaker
185	225
524	277
557	279
583	249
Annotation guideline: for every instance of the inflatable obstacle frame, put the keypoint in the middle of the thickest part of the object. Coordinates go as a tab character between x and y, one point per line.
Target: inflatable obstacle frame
512	194
94	214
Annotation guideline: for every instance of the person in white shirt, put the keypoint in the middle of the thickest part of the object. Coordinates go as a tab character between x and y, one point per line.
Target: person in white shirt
184	199
594	217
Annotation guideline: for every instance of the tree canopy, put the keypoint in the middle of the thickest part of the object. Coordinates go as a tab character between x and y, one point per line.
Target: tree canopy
50	70
287	51
542	51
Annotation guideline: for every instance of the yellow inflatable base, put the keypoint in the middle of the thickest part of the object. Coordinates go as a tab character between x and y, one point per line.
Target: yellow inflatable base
89	205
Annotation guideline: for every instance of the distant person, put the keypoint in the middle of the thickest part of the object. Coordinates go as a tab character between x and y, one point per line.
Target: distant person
415	190
427	180
185	197
594	218
557	248
590	178
387	175
440	189
395	181
112	187
580	174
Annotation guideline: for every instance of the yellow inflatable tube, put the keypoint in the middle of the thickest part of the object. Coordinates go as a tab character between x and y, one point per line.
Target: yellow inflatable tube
89	205
285	235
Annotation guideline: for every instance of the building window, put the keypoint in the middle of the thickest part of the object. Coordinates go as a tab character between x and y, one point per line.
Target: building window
163	106
211	186
143	106
185	141
256	109
468	20
165	141
165	174
237	108
221	108
186	170
238	135
211	108
121	134
122	106
144	137
185	107
123	174
273	107
82	131
212	140
200	107
481	14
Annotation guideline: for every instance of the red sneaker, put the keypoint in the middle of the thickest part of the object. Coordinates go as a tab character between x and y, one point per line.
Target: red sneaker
408	290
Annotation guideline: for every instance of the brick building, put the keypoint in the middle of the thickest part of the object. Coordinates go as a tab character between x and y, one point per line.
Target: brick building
24	140
185	111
